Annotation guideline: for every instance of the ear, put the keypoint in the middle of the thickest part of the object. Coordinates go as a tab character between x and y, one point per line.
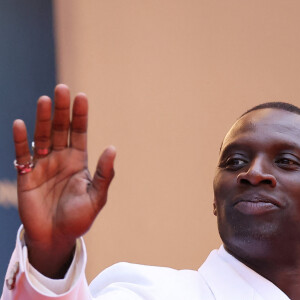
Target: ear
215	208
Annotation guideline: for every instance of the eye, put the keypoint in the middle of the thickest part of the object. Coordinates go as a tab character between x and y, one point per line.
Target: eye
233	163
285	161
289	162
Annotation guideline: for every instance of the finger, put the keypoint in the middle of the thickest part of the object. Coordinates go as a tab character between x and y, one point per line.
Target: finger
42	134
103	177
78	136
61	118
21	144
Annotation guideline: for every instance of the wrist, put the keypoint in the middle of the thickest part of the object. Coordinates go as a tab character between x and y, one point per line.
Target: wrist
51	259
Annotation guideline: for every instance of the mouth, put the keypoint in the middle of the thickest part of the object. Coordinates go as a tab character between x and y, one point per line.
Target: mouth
256	204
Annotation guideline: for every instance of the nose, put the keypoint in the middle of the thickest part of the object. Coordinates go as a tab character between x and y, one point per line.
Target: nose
257	174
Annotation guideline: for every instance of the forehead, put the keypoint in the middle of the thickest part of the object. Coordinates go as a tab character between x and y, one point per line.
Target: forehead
264	124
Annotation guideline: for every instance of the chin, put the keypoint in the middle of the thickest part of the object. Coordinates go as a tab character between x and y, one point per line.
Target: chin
257	239
266	243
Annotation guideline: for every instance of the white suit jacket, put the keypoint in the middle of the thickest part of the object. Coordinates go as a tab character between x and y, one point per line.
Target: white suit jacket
221	277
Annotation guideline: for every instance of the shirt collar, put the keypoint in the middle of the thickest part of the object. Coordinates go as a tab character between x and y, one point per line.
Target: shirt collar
261	285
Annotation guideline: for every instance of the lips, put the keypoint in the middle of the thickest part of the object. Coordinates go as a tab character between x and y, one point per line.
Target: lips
256	204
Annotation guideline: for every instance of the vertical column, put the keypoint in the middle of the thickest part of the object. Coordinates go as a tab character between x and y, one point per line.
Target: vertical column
27	70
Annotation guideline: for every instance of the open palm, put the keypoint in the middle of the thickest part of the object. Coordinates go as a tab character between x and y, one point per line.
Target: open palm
58	199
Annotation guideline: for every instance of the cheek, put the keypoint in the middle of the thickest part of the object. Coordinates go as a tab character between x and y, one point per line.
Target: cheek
223	186
290	192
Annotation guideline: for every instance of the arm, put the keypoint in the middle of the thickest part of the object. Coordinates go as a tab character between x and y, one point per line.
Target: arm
58	199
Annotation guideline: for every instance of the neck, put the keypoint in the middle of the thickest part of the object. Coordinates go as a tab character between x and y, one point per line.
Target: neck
280	266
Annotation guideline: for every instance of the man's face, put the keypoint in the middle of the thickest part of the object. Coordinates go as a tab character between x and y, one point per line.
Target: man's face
257	182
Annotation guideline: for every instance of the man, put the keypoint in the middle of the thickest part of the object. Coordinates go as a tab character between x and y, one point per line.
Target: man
257	204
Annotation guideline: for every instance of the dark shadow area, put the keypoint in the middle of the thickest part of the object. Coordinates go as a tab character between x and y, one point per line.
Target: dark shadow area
9	222
27	70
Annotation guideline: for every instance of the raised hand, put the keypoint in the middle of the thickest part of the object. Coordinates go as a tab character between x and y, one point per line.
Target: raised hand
58	199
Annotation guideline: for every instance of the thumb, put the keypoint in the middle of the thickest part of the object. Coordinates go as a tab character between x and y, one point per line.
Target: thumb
103	177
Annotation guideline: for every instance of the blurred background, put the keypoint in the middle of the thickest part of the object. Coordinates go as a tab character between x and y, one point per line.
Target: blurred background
165	79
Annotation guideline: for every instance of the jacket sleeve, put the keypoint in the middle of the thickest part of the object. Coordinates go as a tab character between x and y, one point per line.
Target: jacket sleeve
22	282
121	281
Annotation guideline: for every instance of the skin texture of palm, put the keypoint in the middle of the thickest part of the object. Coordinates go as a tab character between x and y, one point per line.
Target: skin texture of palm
58	199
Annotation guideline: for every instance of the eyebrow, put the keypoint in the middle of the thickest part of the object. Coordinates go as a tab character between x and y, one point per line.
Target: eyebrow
281	145
229	147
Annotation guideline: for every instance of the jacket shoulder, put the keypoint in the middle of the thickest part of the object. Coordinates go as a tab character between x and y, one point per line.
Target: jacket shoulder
150	282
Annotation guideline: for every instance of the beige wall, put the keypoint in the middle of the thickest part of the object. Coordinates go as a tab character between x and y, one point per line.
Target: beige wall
166	79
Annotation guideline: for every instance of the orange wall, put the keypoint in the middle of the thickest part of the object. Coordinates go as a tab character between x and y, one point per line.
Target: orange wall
165	80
